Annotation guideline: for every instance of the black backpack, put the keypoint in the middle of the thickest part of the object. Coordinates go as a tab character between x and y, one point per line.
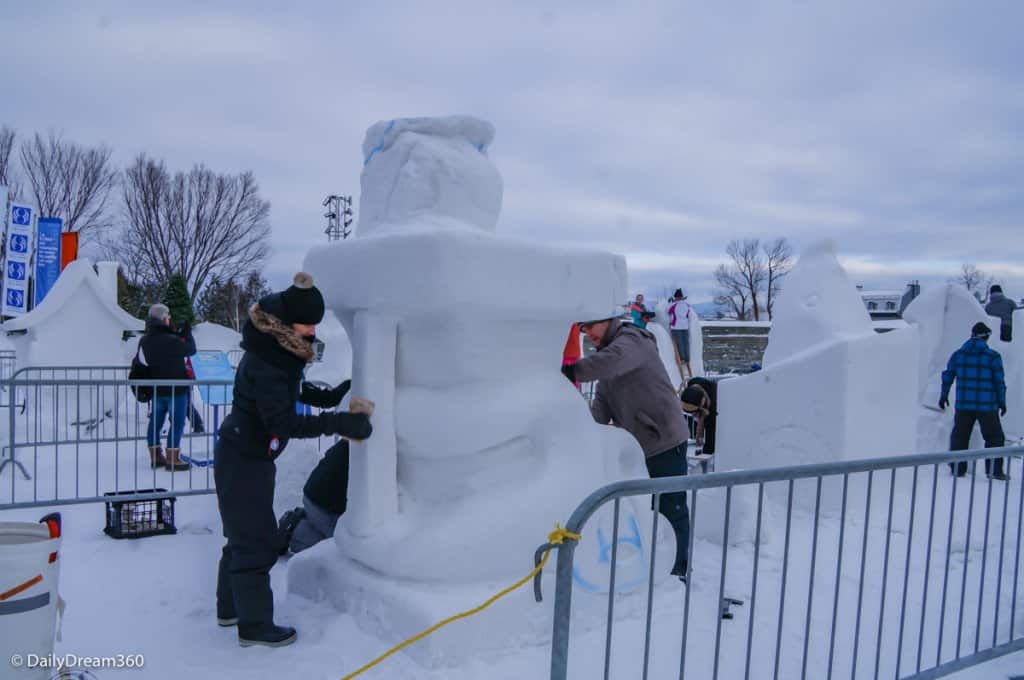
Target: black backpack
139	371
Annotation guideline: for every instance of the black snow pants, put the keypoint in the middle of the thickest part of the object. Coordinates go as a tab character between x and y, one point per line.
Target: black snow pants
245	497
672	506
991	431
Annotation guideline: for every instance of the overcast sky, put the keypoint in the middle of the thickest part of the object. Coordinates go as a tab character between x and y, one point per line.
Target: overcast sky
660	130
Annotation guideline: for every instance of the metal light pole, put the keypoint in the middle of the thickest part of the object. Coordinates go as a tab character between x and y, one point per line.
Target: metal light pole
339	217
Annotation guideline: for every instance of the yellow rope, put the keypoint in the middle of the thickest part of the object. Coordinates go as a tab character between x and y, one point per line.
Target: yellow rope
556	537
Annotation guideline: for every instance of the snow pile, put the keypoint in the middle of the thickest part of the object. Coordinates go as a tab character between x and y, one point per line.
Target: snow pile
832	389
78	324
818	307
212	336
479	443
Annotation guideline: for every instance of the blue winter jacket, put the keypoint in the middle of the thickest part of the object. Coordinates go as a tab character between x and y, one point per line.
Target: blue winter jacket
978	372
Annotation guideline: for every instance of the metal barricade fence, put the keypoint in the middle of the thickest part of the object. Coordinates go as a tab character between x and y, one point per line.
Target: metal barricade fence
76	433
881	568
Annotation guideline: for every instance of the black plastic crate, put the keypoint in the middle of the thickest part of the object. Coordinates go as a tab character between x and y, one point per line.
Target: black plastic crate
127	518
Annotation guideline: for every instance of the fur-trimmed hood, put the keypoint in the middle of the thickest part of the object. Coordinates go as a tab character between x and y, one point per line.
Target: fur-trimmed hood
288	339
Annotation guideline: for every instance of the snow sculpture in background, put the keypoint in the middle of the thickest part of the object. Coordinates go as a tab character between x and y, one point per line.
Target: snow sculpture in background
831	388
479	443
944	316
79	322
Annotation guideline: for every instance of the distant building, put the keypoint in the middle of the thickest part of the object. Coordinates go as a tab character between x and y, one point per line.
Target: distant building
888	304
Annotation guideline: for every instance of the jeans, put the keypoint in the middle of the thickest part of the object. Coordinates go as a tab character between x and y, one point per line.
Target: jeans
681	338
175	407
317	525
991	431
672	463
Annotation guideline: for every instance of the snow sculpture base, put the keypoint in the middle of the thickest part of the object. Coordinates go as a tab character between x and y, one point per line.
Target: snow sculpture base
394	611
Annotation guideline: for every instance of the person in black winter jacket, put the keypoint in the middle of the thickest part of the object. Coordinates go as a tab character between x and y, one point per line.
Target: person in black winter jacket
1003	308
278	343
700	400
163	355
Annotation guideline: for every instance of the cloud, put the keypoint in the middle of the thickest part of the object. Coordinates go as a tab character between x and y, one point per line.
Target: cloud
656	129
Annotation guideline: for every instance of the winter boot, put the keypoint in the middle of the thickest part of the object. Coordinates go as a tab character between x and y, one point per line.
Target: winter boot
255	603
156	457
286	527
269	636
174	462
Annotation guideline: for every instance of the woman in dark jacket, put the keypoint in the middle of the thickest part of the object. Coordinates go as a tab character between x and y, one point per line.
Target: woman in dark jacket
163	354
278	344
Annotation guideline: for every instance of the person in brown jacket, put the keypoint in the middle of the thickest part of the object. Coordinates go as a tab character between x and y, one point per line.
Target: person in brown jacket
634	392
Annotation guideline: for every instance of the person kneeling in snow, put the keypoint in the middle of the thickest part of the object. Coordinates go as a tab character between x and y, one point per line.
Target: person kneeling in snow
324	499
278	343
634	393
324	496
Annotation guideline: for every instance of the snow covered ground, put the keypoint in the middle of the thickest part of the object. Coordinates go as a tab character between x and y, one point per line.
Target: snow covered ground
155	596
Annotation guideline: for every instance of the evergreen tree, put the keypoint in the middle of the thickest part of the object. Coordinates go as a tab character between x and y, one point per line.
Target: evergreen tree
177	299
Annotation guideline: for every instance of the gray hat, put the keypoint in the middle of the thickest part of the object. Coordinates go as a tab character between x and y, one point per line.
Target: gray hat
159	311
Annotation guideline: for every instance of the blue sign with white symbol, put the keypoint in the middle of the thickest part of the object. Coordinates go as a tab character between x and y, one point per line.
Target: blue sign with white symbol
21	215
16	271
19	243
15	298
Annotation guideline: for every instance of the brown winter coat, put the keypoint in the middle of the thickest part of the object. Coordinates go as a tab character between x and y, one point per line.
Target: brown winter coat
634	391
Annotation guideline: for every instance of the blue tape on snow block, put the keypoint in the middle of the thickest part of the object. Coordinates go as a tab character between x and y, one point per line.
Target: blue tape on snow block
380	144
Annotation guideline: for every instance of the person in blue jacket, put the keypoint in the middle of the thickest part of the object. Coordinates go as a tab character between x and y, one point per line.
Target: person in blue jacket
977	371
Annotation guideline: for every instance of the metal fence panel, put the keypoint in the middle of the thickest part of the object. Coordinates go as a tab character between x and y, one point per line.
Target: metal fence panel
74	434
850	570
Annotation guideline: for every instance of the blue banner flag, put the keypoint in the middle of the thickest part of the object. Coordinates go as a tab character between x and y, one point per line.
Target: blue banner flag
47	255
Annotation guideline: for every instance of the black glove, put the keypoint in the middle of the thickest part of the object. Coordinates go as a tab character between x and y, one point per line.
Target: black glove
341	390
351	425
943	403
1002	411
569	371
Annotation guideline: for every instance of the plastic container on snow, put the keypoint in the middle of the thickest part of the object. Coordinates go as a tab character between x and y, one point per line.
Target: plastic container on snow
29	594
130	517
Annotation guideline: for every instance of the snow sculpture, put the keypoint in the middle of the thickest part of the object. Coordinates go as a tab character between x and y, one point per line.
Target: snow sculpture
944	316
479	443
831	388
51	334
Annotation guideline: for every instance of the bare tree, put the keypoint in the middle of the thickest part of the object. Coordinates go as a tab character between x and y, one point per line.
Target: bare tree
201	224
779	260
732	291
974	280
7	175
70	181
750	269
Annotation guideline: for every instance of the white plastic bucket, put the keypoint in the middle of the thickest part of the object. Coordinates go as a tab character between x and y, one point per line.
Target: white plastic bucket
29	594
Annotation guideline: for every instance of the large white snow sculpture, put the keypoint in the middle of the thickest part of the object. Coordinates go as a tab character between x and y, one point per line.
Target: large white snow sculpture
831	388
479	443
944	316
